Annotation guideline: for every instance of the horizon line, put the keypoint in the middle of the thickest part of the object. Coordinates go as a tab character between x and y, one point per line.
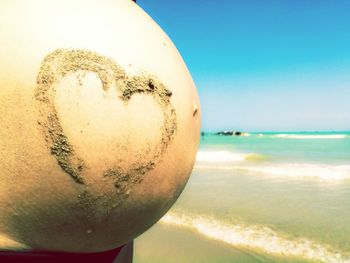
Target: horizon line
267	131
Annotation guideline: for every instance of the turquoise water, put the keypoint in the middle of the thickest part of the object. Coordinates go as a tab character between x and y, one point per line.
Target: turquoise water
265	197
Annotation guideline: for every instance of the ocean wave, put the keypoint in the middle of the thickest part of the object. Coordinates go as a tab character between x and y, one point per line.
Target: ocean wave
302	170
296	170
227	156
254	237
310	136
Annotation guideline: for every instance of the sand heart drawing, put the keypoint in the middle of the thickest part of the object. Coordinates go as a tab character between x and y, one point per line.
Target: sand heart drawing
55	66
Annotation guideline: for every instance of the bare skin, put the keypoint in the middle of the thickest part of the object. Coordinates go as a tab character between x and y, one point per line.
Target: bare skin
99	132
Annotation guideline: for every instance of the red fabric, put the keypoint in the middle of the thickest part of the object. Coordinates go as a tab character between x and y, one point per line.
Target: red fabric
55	257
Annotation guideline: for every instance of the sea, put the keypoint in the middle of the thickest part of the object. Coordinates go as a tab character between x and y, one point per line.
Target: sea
261	197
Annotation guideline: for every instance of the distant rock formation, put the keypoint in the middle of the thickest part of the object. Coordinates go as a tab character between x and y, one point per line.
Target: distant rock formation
231	133
225	133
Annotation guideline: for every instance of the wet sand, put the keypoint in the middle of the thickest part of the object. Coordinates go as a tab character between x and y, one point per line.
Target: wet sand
164	244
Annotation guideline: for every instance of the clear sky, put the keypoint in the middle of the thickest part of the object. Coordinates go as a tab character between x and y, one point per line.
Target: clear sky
272	65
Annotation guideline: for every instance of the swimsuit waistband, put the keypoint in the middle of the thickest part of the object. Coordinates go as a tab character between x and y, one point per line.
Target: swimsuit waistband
53	257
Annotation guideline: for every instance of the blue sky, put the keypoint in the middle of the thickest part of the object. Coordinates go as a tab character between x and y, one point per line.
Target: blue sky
273	65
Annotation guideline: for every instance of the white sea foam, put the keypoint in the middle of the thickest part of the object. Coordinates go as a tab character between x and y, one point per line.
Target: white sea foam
324	172
226	156
309	136
255	238
220	156
301	170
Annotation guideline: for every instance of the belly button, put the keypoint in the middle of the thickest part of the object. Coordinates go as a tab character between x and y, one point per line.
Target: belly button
195	110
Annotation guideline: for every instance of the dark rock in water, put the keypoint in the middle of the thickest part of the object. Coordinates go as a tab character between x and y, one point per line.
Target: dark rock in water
230	133
225	133
202	133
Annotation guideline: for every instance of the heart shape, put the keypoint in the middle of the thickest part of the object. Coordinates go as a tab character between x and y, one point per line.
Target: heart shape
64	61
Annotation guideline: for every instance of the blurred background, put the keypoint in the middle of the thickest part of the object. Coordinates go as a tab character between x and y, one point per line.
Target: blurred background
278	191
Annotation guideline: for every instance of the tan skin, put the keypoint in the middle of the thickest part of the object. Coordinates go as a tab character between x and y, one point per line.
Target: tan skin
99	132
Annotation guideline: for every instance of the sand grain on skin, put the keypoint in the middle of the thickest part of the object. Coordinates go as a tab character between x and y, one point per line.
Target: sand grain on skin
61	62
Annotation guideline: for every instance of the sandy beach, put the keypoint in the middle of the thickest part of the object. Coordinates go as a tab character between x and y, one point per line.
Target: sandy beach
261	198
